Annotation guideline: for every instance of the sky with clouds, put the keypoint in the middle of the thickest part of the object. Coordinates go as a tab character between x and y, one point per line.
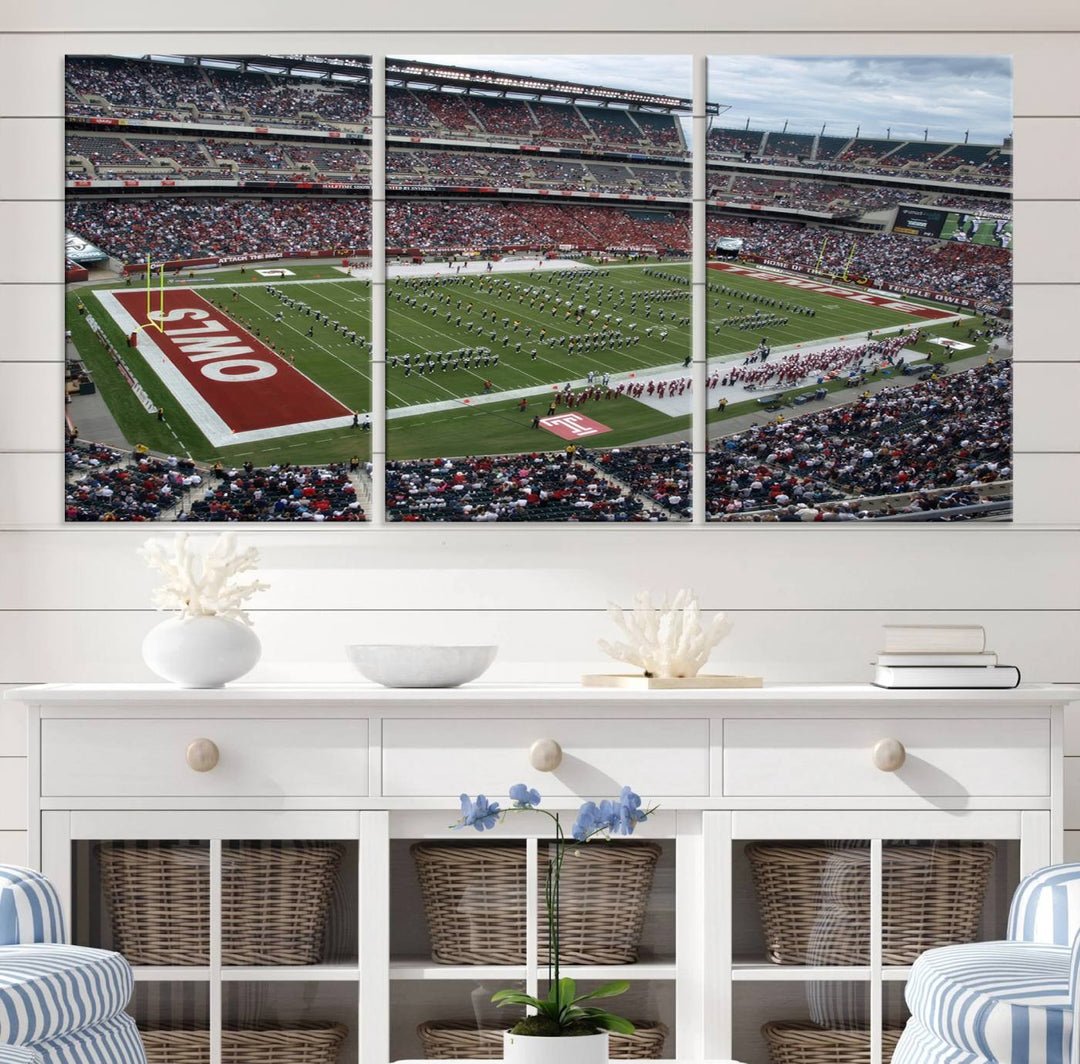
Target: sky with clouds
907	94
947	94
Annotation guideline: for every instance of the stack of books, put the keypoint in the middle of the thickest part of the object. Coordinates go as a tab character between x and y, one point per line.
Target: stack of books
940	656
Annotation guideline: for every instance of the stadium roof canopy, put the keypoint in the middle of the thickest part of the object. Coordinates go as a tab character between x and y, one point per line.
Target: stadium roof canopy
406	73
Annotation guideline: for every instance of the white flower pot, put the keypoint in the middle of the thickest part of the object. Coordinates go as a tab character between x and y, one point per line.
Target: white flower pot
529	1049
201	651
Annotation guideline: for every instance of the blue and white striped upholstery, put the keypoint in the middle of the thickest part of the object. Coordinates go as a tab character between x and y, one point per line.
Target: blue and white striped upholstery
19	1055
115	1041
1005	1001
30	908
1008	1002
1046	906
47	990
59	1004
919	1046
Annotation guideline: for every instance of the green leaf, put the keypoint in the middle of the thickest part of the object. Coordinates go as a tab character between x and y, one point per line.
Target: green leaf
613	989
515	997
567	990
609	1022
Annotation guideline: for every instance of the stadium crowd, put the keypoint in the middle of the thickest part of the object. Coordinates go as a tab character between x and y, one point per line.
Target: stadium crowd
278	493
171	91
971	163
952	433
976	272
528	487
140	490
192	228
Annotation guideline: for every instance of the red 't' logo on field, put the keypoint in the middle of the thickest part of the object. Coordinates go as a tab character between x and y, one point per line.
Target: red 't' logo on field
573	426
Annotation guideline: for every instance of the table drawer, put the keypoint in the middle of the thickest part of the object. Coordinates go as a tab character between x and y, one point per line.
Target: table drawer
816	757
255	757
658	758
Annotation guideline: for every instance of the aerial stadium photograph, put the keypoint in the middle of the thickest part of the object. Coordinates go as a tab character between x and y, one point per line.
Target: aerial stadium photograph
539	305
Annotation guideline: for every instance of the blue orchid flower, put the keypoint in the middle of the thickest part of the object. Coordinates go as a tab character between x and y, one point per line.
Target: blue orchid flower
480	814
524	797
630	813
587	821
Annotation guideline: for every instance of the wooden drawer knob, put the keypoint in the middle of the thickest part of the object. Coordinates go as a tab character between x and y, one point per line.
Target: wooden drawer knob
202	755
889	755
545	755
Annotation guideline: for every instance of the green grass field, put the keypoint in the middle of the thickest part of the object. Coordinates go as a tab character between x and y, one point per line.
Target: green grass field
538	312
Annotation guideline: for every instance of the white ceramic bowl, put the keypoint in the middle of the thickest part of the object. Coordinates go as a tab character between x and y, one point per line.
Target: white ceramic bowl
420	666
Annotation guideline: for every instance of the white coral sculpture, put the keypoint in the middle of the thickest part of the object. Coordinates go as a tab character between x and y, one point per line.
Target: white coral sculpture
668	640
203	585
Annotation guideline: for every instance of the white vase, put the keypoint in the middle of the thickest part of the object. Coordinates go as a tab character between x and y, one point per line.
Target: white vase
530	1049
201	651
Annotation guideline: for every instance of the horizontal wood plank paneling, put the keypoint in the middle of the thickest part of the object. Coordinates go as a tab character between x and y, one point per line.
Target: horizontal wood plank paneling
1046	398
13	736
14	847
33	490
1045	492
33	418
1047	253
33	154
13	794
835	567
33	316
1036	140
550	644
33	236
1041	331
681	16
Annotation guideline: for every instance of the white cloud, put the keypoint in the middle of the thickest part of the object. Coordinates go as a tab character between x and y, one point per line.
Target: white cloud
945	94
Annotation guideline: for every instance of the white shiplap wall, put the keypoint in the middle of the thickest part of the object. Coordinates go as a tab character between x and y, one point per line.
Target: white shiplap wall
808	602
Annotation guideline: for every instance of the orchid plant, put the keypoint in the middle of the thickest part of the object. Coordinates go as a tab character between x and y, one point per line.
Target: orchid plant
563	1012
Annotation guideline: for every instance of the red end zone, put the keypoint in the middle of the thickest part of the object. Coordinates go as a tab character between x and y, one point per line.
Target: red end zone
244	382
916	310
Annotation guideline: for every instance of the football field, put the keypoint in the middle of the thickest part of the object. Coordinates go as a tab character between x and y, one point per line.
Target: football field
278	368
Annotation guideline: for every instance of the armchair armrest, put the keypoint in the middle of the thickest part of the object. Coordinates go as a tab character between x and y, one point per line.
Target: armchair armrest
1046	906
30	909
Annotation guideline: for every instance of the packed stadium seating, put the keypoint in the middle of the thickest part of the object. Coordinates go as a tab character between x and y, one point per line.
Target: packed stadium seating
190	228
140	490
529	487
940	161
281	493
953	433
976	272
128	88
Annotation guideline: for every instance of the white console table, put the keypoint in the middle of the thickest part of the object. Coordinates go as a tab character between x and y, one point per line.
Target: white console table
379	769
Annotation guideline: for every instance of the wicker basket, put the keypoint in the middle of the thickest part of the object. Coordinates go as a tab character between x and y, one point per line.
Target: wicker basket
474	902
814	901
274	901
807	1043
302	1044
450	1040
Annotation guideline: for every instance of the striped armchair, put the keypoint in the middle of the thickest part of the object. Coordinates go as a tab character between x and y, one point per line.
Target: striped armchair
59	1004
1008	1002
